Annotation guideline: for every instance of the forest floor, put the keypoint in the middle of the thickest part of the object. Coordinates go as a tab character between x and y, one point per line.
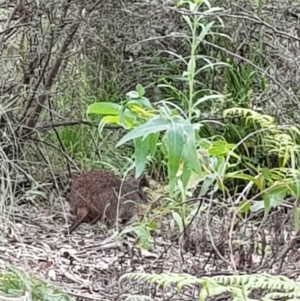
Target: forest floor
87	266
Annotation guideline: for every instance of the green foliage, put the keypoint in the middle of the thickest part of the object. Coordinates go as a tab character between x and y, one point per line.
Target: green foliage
17	285
142	231
238	286
179	140
272	184
81	141
242	83
273	138
247	148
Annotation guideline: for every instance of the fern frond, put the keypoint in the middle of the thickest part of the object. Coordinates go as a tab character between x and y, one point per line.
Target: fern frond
238	286
277	139
265	121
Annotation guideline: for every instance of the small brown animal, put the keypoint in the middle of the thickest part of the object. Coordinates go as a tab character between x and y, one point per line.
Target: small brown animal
95	195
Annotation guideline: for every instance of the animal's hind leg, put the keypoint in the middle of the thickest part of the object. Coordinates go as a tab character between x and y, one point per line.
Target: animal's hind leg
80	216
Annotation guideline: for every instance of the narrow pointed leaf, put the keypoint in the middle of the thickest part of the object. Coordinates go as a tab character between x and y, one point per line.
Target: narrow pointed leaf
141	151
186	174
175	143
103	108
190	150
153	143
154	125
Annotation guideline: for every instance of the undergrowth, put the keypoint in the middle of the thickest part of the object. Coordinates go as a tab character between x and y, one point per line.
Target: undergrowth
15	285
239	287
207	128
82	142
243	148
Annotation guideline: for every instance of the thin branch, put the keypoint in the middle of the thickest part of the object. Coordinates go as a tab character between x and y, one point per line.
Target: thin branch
31	122
48	127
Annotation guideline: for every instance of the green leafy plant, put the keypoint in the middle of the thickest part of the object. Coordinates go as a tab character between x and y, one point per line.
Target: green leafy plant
238	286
172	128
175	127
274	184
15	284
142	231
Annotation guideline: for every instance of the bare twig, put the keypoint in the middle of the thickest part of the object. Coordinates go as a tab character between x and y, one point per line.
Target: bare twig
47	127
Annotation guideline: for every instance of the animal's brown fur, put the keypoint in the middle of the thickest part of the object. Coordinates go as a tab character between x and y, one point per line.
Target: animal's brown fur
94	195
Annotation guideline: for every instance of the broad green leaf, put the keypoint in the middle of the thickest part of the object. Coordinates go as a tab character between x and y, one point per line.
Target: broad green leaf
186	174
190	150
103	108
154	125
141	151
163	147
175	143
153	138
